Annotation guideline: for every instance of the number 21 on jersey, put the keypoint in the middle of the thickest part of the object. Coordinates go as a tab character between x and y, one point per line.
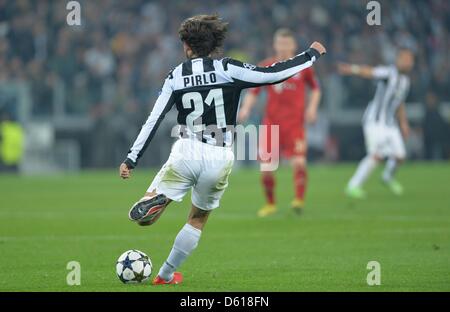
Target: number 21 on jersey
195	98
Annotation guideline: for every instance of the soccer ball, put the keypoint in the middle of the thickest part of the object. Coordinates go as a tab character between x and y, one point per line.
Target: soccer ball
133	266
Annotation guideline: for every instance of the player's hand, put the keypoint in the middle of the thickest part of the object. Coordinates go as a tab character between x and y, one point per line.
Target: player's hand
311	116
243	115
124	171
319	47
404	127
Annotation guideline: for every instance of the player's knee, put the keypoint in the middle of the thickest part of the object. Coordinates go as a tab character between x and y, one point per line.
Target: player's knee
299	162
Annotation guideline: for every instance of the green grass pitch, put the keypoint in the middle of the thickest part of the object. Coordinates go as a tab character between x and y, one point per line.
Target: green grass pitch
45	222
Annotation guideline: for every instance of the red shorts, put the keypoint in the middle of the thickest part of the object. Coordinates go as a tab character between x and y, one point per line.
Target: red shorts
290	140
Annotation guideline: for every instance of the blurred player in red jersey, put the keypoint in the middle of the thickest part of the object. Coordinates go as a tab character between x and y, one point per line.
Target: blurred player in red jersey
286	108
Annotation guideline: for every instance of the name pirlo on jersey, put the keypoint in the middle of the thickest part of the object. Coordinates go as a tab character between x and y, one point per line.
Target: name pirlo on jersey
392	90
199	80
206	94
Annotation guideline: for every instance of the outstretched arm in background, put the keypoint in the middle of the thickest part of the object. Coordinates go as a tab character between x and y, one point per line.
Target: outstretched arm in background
364	71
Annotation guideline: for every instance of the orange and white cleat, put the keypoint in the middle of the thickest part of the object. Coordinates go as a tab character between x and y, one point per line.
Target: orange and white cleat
177	279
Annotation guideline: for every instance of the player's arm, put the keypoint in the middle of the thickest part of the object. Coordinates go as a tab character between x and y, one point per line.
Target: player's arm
313	105
403	120
249	76
364	71
247	105
163	104
314	97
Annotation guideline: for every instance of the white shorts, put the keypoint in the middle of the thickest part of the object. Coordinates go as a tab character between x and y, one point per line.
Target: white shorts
192	164
384	141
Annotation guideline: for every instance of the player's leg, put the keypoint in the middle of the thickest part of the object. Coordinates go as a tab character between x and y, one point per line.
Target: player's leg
185	243
397	154
267	177
268	184
365	168
300	182
373	138
391	167
299	163
388	176
206	194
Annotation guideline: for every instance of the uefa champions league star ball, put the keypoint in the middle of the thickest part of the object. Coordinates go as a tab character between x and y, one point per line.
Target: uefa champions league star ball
133	266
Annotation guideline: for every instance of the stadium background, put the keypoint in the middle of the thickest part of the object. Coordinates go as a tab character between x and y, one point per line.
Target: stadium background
81	93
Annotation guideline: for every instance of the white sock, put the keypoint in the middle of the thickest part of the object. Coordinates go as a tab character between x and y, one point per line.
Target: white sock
185	242
365	167
389	169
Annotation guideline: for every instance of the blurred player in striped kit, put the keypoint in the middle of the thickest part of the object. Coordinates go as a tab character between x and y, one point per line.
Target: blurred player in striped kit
384	121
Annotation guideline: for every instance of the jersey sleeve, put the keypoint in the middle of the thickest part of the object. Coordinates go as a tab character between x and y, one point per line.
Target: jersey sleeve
258	90
381	72
310	79
163	105
250	76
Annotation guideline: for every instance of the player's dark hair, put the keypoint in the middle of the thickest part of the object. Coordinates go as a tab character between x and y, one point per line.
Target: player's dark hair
204	34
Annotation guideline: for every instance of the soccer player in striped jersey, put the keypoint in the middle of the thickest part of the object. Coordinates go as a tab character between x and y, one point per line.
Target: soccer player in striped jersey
384	121
205	92
286	108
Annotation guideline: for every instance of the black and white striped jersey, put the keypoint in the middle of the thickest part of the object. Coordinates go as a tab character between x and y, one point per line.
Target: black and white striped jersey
392	90
206	93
